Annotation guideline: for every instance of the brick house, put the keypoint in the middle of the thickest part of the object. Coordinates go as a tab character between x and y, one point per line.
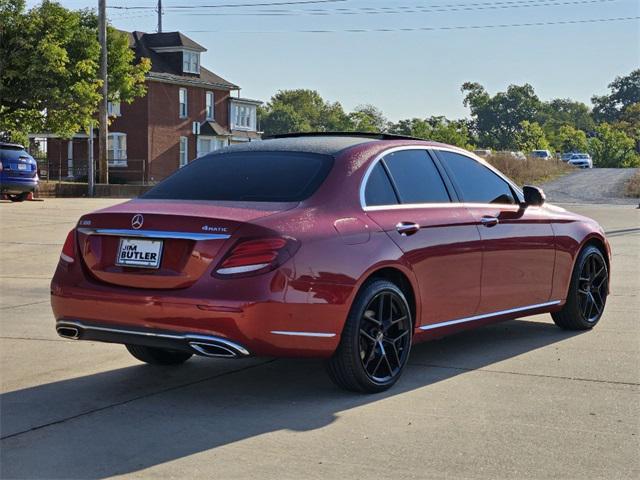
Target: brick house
153	136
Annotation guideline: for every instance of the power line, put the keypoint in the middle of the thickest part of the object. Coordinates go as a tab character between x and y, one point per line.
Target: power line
229	5
429	29
405	9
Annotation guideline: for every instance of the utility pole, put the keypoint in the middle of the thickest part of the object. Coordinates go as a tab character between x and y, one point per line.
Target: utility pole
103	132
159	16
91	177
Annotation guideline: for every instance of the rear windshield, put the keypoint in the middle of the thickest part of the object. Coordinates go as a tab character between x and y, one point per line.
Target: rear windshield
247	176
13	153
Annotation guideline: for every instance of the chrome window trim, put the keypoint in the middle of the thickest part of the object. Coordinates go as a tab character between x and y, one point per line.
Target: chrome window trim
488	315
427	148
303	334
404	206
117	232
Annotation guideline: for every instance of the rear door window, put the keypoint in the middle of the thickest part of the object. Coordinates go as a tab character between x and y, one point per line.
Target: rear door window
416	177
379	190
477	183
247	176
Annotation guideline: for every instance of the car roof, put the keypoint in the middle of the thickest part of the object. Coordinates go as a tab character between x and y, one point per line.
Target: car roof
326	143
11	145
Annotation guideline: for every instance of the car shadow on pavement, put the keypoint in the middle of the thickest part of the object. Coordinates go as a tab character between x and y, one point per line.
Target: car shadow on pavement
125	434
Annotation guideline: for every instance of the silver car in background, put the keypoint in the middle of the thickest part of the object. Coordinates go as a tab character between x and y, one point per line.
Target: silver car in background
581	160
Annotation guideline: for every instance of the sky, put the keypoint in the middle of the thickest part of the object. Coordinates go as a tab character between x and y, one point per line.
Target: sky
415	69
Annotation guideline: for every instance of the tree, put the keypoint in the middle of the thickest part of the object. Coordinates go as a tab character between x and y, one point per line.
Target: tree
629	123
613	148
49	59
414	127
625	91
498	120
436	128
571	139
281	119
561	112
530	137
367	118
564	111
302	110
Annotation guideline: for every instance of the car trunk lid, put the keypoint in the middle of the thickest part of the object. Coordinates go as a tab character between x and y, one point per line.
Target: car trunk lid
162	244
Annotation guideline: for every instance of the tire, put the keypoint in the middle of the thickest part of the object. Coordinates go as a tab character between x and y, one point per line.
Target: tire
373	351
158	356
18	197
588	291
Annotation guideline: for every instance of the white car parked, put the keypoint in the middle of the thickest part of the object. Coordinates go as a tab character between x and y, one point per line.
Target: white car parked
542	154
581	160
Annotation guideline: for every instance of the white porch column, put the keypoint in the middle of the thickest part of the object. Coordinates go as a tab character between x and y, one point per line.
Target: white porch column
70	158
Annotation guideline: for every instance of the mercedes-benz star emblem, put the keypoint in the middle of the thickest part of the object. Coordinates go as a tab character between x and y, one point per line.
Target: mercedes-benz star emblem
137	221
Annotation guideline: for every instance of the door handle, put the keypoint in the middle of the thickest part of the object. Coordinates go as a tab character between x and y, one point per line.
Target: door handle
407	228
488	221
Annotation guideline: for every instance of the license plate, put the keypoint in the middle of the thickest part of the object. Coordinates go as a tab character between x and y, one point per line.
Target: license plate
22	166
133	252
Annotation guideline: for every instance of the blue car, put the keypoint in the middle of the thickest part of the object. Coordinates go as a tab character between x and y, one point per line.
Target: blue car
18	172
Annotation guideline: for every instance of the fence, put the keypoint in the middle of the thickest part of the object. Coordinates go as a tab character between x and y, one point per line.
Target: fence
130	171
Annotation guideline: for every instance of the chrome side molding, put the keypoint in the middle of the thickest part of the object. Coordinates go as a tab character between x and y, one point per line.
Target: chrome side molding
121	232
303	334
488	315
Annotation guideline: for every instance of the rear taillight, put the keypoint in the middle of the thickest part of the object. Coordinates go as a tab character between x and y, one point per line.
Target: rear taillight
250	257
68	253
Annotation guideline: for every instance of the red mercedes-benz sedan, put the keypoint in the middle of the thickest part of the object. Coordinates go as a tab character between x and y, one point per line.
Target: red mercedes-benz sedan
345	247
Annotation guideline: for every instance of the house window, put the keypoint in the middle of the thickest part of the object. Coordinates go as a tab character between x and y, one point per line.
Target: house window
117	149
183	103
243	116
113	109
190	62
209	144
184	151
209	105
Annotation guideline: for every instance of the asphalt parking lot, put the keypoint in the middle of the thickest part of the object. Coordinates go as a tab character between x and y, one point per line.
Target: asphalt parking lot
521	399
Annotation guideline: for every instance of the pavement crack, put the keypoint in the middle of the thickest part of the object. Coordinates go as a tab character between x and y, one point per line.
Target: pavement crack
8	307
134	399
539	375
37	339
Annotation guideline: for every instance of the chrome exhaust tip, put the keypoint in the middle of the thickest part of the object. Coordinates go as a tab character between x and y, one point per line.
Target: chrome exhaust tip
71	333
209	349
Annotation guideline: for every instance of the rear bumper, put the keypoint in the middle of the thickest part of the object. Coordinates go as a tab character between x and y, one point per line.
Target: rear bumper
303	325
205	345
18	185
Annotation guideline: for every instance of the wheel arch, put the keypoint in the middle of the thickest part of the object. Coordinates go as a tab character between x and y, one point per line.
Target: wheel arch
601	244
400	278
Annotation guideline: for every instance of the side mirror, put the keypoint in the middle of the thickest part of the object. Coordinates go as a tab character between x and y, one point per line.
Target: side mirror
533	196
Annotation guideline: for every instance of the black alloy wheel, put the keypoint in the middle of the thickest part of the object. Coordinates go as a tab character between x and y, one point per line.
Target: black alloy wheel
376	339
592	288
587	294
385	336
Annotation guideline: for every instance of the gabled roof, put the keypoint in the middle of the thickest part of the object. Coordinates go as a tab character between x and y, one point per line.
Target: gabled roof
162	70
171	39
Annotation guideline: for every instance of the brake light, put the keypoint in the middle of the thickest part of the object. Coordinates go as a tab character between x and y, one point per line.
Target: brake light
68	253
257	256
